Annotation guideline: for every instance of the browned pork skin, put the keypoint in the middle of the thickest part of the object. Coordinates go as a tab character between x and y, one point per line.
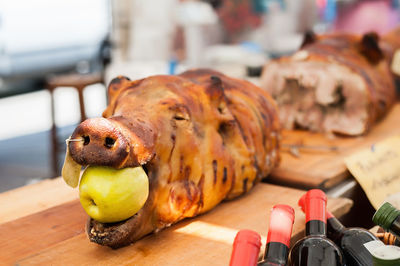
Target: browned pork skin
201	136
334	83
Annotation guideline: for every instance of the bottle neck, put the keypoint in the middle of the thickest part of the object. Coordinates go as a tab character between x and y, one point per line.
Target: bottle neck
315	228
280	224
315	210
388	217
395	227
334	227
275	254
279	233
246	247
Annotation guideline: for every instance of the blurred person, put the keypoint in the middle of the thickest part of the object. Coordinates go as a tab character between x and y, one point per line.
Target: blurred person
237	17
368	15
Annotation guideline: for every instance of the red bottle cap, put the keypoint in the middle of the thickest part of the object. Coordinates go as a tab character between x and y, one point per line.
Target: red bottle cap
246	248
302	204
315	205
281	224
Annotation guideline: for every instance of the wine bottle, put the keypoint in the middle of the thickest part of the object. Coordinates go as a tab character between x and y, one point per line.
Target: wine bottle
388	217
246	248
278	238
315	248
350	240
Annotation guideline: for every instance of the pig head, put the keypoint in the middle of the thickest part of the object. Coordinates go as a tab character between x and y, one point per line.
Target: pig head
200	136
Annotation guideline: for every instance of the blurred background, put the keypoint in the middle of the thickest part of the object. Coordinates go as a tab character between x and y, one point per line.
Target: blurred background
57	56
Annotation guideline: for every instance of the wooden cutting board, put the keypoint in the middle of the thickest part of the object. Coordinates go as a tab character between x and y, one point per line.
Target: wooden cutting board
34	198
55	235
324	169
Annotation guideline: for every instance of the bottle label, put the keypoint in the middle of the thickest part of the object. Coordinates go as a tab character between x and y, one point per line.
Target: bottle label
372	245
388	252
383	254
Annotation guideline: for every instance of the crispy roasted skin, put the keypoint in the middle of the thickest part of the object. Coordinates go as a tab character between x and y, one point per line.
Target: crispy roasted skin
336	83
201	136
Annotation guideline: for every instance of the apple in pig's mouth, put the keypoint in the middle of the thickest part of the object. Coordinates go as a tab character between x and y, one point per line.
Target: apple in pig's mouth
108	195
111	195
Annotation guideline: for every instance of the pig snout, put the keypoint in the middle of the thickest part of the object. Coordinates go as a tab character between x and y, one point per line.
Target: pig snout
99	141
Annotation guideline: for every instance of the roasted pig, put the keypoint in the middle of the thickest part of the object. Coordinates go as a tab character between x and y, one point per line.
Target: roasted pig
201	137
335	83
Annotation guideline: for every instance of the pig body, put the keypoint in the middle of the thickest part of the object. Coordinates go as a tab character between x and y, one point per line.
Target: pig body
201	136
336	83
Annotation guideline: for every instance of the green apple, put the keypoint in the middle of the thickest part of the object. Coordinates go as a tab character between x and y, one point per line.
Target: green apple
112	195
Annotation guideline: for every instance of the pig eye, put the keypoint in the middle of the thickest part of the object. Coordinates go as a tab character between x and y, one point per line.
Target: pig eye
179	117
180	113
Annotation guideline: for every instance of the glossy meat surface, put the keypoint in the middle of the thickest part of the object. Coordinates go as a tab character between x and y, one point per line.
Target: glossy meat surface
201	136
335	83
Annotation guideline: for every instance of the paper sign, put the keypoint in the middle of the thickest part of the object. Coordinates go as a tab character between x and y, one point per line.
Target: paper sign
396	63
377	170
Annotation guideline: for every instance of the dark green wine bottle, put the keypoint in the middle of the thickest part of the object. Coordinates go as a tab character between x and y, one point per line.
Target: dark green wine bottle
388	217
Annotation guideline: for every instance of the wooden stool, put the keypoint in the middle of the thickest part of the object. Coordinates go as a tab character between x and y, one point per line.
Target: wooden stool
79	82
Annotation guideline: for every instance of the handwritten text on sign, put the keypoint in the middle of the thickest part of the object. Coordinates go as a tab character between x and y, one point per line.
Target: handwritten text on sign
377	170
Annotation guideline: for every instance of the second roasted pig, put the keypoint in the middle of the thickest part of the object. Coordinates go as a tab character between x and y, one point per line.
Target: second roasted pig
335	83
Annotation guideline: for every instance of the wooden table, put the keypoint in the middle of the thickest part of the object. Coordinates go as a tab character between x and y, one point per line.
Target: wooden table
43	224
326	169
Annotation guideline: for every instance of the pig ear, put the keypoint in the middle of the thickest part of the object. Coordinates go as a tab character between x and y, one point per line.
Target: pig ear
215	90
114	88
309	38
369	47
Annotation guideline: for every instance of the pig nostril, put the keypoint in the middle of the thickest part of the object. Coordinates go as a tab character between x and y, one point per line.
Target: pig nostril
109	142
86	140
